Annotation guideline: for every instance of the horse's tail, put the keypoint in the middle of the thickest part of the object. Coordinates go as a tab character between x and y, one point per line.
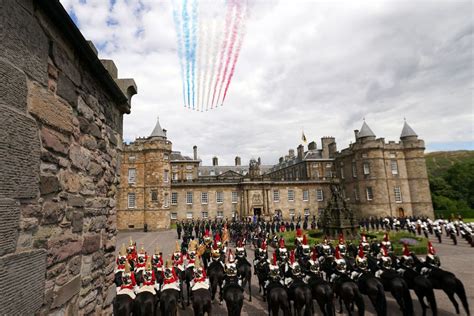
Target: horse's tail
461	292
308	310
430	296
359	301
329	308
407	300
381	306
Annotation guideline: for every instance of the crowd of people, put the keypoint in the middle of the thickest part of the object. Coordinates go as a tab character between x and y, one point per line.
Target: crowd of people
210	261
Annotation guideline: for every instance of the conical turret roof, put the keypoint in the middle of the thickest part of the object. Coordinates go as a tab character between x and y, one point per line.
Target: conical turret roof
407	131
158	131
365	131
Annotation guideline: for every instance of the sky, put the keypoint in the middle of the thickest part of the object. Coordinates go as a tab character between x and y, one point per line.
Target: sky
317	66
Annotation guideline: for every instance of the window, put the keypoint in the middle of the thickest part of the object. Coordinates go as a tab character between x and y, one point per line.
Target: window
392	155
175	176
189	215
342	172
166	156
131	200
189	176
292	212
370	193
189	167
291	195
204	198
166	175
354	169
173	215
398	194
220	197
131	158
306	212
366	168
394	166
356	194
305	195
343	193
174	198
276	195
364	155
189	197
220	214
328	165
235	196
132	175
319	195
204	214
154	195
166	202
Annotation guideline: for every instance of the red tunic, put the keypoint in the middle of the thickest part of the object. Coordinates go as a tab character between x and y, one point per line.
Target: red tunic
172	279
152	281
132	283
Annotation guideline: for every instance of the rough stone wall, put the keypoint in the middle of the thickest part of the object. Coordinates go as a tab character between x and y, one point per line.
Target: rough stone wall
59	141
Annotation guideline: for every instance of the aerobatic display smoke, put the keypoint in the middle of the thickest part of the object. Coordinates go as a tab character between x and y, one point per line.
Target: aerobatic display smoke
209	40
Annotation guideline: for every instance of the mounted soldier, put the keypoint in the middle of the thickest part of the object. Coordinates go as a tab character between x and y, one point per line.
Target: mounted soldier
232	291
145	302
123	302
157	262
120	265
132	254
201	295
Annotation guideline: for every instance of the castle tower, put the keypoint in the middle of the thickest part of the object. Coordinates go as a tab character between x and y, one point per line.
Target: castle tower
417	174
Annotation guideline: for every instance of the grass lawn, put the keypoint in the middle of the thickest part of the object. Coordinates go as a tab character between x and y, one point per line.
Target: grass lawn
417	244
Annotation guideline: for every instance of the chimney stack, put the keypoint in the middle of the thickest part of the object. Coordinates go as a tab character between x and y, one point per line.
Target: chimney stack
281	160
312	146
291	153
237	161
300	151
195	152
215	162
356	133
259	161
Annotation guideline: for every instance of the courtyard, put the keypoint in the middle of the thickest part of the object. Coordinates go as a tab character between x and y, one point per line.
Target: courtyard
457	259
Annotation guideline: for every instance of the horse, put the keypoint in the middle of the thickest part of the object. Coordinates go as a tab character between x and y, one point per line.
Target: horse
322	292
216	274
202	302
123	305
169	302
234	299
188	276
301	295
145	304
244	272
277	298
373	288
446	281
118	278
422	288
348	291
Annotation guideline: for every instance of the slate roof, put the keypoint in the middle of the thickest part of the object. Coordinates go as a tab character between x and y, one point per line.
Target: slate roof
407	131
158	131
365	131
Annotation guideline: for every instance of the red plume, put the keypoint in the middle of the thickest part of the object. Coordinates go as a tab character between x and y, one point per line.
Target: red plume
218	237
385	252
264	245
239	243
231	256
385	237
364	239
206	234
431	249
305	241
314	255
361	252
406	251
341	238
282	243
299	232
214	246
337	254
274	261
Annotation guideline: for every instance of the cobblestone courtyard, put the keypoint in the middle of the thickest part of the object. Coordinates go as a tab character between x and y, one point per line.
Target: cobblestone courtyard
457	259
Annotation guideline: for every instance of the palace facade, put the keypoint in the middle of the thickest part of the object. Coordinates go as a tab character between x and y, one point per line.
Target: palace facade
160	186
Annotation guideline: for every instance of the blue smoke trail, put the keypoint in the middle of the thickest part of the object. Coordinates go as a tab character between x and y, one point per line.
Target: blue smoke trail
186	42
179	36
194	19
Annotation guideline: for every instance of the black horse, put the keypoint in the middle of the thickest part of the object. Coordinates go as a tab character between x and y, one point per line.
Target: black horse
262	270
301	295
348	292
145	304
323	293
216	275
446	281
202	302
169	302
372	287
277	298
188	276
234	299
244	272
123	305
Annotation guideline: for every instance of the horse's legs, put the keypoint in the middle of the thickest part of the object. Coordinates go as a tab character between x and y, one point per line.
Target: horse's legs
348	307
321	306
188	290
250	287
453	300
340	304
422	302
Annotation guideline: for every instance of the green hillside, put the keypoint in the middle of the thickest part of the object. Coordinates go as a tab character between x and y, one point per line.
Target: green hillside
451	175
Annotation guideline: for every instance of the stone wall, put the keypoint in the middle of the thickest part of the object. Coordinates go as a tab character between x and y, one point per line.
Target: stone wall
59	143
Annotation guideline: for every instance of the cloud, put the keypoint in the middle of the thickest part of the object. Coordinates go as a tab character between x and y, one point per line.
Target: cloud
317	65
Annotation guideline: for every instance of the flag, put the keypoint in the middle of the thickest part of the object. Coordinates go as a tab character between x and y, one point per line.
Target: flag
303	137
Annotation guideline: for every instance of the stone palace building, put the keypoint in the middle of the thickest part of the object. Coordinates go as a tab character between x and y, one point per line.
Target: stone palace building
159	185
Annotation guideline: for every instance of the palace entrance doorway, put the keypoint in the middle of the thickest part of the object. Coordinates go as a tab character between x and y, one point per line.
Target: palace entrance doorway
257	211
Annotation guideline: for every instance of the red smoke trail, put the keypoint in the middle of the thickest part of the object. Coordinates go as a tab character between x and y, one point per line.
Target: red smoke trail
235	32
228	20
237	53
